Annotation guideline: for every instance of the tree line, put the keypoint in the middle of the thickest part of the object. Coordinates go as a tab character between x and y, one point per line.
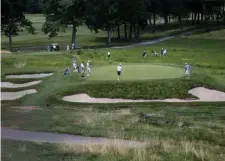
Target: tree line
107	15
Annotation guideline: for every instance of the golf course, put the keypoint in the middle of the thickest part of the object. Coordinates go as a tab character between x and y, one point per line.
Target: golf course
154	112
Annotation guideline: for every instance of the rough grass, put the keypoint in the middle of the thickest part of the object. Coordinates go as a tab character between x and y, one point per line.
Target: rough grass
202	139
169	150
153	89
198	123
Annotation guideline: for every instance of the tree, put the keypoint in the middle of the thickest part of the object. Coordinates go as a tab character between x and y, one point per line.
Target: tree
34	6
62	13
13	19
102	15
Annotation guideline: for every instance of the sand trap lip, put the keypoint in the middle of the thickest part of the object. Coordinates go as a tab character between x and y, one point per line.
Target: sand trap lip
16	95
12	85
204	95
40	75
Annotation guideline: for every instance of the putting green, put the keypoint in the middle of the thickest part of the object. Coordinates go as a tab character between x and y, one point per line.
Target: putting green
136	72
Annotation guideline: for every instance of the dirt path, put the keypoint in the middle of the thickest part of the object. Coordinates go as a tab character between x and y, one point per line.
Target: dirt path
12	85
16	95
47	137
204	95
150	42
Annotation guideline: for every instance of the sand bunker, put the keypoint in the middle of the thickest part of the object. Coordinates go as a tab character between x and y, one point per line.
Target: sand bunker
204	95
26	108
5	52
40	75
16	95
12	85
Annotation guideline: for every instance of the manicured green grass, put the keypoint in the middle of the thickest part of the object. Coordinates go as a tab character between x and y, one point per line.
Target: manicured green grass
136	72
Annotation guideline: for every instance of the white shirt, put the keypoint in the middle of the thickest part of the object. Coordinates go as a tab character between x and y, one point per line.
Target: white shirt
164	52
108	53
82	65
119	68
88	65
187	67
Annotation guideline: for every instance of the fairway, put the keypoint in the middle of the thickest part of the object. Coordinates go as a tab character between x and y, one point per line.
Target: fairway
136	72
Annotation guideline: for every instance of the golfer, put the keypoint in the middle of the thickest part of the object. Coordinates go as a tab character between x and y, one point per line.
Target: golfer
187	69
164	52
75	68
119	69
74	59
88	68
108	54
144	54
82	68
67	71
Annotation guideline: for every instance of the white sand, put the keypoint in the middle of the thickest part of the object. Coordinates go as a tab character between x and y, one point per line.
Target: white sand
41	75
204	95
12	85
16	95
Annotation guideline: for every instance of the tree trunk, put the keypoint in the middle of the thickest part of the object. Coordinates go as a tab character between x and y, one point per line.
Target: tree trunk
203	11
150	20
134	29
154	20
125	30
198	18
169	18
217	18
165	19
10	41
179	19
195	18
130	34
74	33
10	24
180	16
224	13
109	36
138	32
118	31
192	18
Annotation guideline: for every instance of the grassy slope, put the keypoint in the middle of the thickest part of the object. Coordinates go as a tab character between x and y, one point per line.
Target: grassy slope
202	125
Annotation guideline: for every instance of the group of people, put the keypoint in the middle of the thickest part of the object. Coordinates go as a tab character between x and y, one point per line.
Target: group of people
163	52
53	47
80	69
68	47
